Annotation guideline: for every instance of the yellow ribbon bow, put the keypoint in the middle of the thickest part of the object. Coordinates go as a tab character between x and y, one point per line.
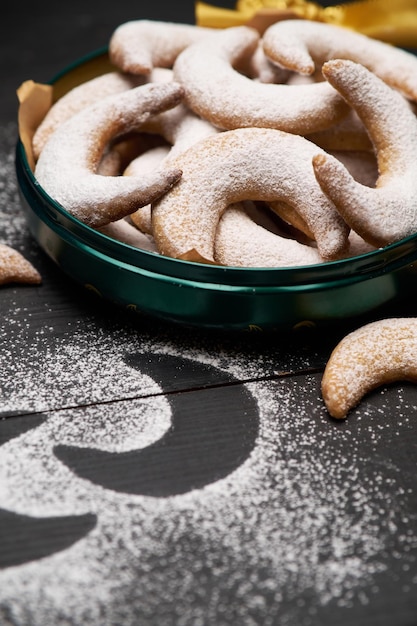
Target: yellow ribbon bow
391	21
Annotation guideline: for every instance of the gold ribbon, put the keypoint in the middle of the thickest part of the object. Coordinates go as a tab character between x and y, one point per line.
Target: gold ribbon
392	21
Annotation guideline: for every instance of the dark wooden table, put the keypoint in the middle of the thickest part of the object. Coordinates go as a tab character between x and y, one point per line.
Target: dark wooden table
162	475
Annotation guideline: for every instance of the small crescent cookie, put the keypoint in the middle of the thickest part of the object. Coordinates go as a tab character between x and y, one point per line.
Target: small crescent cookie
78	98
299	44
356	244
222	170
138	46
229	100
262	215
379	353
147	161
361	165
67	164
240	242
388	212
14	268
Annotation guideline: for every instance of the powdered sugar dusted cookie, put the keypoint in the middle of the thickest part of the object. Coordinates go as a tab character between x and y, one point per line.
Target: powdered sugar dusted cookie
77	99
138	46
67	166
240	242
237	165
14	268
376	354
301	45
216	91
388	212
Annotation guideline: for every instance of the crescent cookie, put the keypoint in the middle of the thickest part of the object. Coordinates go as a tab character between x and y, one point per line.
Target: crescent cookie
240	242
242	164
362	166
67	165
348	134
376	354
301	44
388	212
78	98
216	91
14	268
138	46
120	153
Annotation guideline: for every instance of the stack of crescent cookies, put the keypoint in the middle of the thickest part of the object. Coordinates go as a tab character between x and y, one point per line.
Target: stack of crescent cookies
224	146
228	147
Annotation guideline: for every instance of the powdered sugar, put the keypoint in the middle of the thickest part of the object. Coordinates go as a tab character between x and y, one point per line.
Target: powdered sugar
222	169
139	45
374	354
375	213
288	532
241	242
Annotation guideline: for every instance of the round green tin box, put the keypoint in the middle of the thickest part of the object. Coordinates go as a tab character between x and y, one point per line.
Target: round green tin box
207	295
